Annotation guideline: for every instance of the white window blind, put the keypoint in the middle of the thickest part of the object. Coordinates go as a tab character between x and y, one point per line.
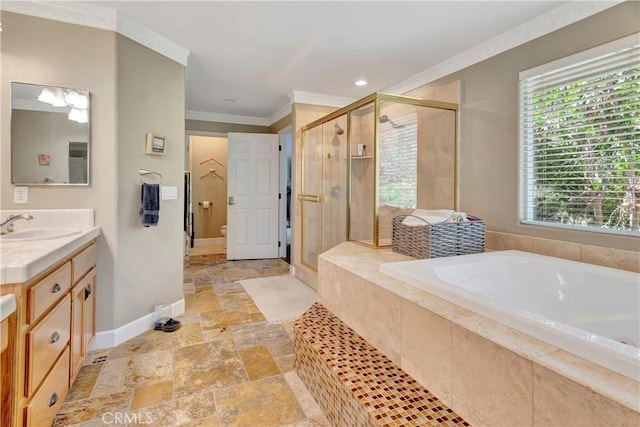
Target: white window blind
398	149
580	140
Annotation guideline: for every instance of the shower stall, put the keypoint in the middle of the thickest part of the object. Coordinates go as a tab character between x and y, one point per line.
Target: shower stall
382	156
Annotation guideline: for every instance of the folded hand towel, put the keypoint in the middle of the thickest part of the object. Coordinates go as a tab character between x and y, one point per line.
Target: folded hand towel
150	209
430	216
458	217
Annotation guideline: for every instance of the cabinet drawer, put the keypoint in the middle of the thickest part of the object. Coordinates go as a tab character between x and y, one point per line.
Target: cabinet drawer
45	342
48	400
83	262
44	293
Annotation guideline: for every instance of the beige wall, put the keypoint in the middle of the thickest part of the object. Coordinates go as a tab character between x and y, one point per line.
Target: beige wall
149	260
136	266
207	222
52	53
489	123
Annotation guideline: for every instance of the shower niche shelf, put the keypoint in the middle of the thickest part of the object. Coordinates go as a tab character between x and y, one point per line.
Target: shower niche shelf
410	163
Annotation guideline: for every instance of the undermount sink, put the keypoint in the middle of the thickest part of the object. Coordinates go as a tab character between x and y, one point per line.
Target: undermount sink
38	234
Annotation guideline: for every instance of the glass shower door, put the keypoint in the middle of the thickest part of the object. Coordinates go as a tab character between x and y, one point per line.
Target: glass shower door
334	183
323	197
311	197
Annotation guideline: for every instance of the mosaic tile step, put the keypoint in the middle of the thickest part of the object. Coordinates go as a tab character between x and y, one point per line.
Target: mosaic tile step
356	385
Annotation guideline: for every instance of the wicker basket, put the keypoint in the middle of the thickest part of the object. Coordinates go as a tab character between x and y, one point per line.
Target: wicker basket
438	240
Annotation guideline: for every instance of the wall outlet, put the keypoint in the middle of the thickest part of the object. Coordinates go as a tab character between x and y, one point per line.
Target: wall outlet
20	195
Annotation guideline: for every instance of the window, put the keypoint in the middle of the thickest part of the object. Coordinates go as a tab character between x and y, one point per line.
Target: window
580	140
398	145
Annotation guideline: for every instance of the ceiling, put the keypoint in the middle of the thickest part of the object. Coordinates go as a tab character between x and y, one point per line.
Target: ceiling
246	58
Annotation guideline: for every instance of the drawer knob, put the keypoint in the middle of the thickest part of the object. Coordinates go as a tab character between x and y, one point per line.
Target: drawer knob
55	338
54	399
56	288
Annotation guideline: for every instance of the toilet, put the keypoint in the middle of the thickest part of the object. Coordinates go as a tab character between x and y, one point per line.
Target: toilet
223	231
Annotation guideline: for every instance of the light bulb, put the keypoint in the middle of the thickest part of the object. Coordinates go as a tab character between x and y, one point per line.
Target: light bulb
76	100
47	96
78	115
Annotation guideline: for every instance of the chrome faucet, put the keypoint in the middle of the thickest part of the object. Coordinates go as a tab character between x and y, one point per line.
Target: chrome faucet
7	225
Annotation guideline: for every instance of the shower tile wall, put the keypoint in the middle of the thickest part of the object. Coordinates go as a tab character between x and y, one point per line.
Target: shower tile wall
361	224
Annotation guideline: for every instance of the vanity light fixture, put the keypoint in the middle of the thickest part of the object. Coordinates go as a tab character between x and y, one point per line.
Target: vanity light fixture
79	115
56	99
361	82
69	98
75	100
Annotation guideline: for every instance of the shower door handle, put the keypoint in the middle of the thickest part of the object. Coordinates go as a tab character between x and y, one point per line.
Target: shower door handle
231	201
311	198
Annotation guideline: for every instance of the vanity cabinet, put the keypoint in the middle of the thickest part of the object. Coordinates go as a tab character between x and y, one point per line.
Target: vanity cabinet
55	328
7	363
83	323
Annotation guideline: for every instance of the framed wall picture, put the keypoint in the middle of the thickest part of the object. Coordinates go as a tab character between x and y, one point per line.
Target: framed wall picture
156	144
44	159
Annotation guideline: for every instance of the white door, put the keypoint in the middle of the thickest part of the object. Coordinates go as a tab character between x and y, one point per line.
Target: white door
252	196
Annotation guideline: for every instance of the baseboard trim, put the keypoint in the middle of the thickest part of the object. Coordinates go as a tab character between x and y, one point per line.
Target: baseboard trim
109	339
208	242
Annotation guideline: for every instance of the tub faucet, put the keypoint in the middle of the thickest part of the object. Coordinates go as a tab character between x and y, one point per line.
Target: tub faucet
7	225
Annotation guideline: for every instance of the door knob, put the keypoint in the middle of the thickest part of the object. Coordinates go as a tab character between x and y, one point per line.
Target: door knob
231	201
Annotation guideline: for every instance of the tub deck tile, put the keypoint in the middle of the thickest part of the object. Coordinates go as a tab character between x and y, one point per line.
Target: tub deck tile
357	385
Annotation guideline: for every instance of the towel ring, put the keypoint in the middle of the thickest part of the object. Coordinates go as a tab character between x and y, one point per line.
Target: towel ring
145	172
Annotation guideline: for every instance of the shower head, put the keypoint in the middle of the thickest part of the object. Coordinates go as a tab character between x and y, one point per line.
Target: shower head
384	119
339	130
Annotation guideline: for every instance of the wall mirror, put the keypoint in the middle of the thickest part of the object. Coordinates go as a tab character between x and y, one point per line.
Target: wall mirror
50	135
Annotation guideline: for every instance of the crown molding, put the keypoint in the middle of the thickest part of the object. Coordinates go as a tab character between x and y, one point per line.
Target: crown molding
301	97
149	38
227	118
109	19
281	113
73	13
566	14
102	18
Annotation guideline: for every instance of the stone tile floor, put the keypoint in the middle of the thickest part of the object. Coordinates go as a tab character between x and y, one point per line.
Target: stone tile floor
226	366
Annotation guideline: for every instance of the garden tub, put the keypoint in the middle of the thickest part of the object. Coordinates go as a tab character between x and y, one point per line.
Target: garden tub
588	310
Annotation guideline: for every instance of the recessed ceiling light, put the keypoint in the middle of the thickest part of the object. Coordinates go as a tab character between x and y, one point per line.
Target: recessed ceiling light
361	83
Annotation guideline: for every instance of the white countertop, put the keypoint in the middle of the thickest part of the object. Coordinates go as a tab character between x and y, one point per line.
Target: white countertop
21	261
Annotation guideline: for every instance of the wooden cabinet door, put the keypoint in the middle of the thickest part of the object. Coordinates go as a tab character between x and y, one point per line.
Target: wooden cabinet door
77	320
89	311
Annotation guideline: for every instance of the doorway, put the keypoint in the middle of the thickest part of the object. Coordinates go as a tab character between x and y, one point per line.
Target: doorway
208	193
202	224
286	148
